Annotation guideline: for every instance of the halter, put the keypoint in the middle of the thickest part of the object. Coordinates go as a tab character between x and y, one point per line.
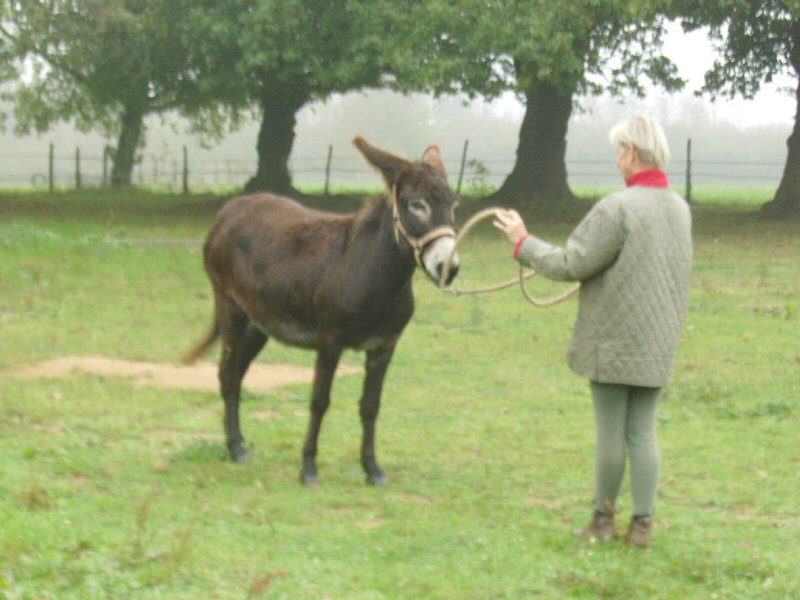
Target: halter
417	244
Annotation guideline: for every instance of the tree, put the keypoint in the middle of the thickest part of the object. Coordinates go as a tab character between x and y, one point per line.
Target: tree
105	64
277	56
548	53
8	64
563	50
756	42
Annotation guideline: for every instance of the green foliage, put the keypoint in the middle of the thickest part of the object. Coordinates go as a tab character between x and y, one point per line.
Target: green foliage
756	42
102	65
591	46
477	180
89	60
114	490
440	47
250	50
479	47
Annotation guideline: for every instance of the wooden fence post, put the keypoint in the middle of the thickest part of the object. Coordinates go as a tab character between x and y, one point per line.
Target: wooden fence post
156	176
463	163
185	171
77	168
51	169
689	170
328	169
106	150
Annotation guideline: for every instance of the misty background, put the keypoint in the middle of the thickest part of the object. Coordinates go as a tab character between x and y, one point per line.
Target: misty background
723	152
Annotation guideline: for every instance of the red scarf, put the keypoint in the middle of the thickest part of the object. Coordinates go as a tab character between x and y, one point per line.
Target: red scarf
649	178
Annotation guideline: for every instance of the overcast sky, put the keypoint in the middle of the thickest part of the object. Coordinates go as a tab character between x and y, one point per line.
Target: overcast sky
693	54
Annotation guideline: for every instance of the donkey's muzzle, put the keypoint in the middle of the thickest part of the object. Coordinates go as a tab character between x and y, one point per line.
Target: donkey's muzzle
439	257
451	274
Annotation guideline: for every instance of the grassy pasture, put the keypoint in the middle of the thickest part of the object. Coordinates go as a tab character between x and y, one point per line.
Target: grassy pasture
113	490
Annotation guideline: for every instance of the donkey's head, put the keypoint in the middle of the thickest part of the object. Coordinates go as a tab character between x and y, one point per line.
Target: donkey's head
423	204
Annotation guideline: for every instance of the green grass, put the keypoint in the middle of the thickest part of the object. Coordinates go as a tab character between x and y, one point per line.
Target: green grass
112	490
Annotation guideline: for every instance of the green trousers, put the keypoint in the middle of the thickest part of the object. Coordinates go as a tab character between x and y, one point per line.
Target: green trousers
625	416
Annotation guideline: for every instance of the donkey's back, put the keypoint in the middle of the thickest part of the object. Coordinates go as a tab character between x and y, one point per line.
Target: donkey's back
264	231
299	273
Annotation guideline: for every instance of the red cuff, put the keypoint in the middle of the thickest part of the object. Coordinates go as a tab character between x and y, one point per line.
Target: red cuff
519	247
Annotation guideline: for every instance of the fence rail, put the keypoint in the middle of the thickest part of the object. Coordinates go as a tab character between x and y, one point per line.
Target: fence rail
183	173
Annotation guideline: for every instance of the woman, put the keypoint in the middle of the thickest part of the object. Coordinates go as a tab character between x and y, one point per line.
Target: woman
632	254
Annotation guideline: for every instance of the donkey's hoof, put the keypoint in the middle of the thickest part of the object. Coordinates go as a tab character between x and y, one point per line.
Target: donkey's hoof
377	479
240	456
309	479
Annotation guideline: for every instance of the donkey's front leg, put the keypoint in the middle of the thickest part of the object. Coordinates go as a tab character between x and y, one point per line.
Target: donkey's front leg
327	360
377	363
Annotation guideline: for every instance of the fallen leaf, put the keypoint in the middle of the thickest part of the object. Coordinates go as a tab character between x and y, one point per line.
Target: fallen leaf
757	471
261	583
414	499
374	524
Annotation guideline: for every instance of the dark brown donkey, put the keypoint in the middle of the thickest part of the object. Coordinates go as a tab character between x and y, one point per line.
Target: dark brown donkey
326	282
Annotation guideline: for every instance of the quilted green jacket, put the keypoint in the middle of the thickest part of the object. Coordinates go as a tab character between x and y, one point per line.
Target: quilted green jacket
632	254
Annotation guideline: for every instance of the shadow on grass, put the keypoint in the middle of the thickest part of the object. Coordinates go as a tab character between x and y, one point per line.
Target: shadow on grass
200	452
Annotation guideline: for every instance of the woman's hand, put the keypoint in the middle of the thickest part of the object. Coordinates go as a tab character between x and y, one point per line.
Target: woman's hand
510	223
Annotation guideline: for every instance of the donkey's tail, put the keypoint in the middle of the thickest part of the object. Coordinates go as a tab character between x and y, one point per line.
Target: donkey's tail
200	349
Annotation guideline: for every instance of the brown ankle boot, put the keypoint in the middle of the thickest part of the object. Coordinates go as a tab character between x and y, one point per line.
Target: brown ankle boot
640	531
602	527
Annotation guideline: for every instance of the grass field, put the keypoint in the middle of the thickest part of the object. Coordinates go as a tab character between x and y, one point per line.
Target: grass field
114	490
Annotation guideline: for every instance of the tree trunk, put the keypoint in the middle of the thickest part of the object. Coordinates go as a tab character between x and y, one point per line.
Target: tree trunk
787	199
539	176
275	139
129	138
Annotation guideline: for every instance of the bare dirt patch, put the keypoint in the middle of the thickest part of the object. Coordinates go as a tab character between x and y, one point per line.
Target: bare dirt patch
200	376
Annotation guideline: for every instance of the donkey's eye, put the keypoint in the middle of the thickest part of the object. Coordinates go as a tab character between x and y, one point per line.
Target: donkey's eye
420	208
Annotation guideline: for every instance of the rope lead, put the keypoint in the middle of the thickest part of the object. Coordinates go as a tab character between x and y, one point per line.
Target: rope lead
474	220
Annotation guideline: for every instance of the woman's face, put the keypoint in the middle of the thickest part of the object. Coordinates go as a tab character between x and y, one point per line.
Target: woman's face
626	160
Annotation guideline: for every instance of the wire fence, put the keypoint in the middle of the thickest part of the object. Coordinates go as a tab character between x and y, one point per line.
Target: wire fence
182	172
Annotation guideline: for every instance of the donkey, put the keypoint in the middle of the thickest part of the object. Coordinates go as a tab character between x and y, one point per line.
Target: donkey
326	282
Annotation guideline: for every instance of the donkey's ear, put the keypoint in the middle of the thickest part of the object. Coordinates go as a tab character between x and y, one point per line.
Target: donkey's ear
389	165
432	157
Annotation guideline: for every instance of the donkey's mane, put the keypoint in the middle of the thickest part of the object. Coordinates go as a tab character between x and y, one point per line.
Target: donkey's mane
370	213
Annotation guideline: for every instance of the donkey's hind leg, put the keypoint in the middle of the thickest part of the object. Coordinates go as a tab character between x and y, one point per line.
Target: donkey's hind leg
252	343
233	324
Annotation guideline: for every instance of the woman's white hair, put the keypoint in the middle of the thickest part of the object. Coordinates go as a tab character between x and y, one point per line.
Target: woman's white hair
646	135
